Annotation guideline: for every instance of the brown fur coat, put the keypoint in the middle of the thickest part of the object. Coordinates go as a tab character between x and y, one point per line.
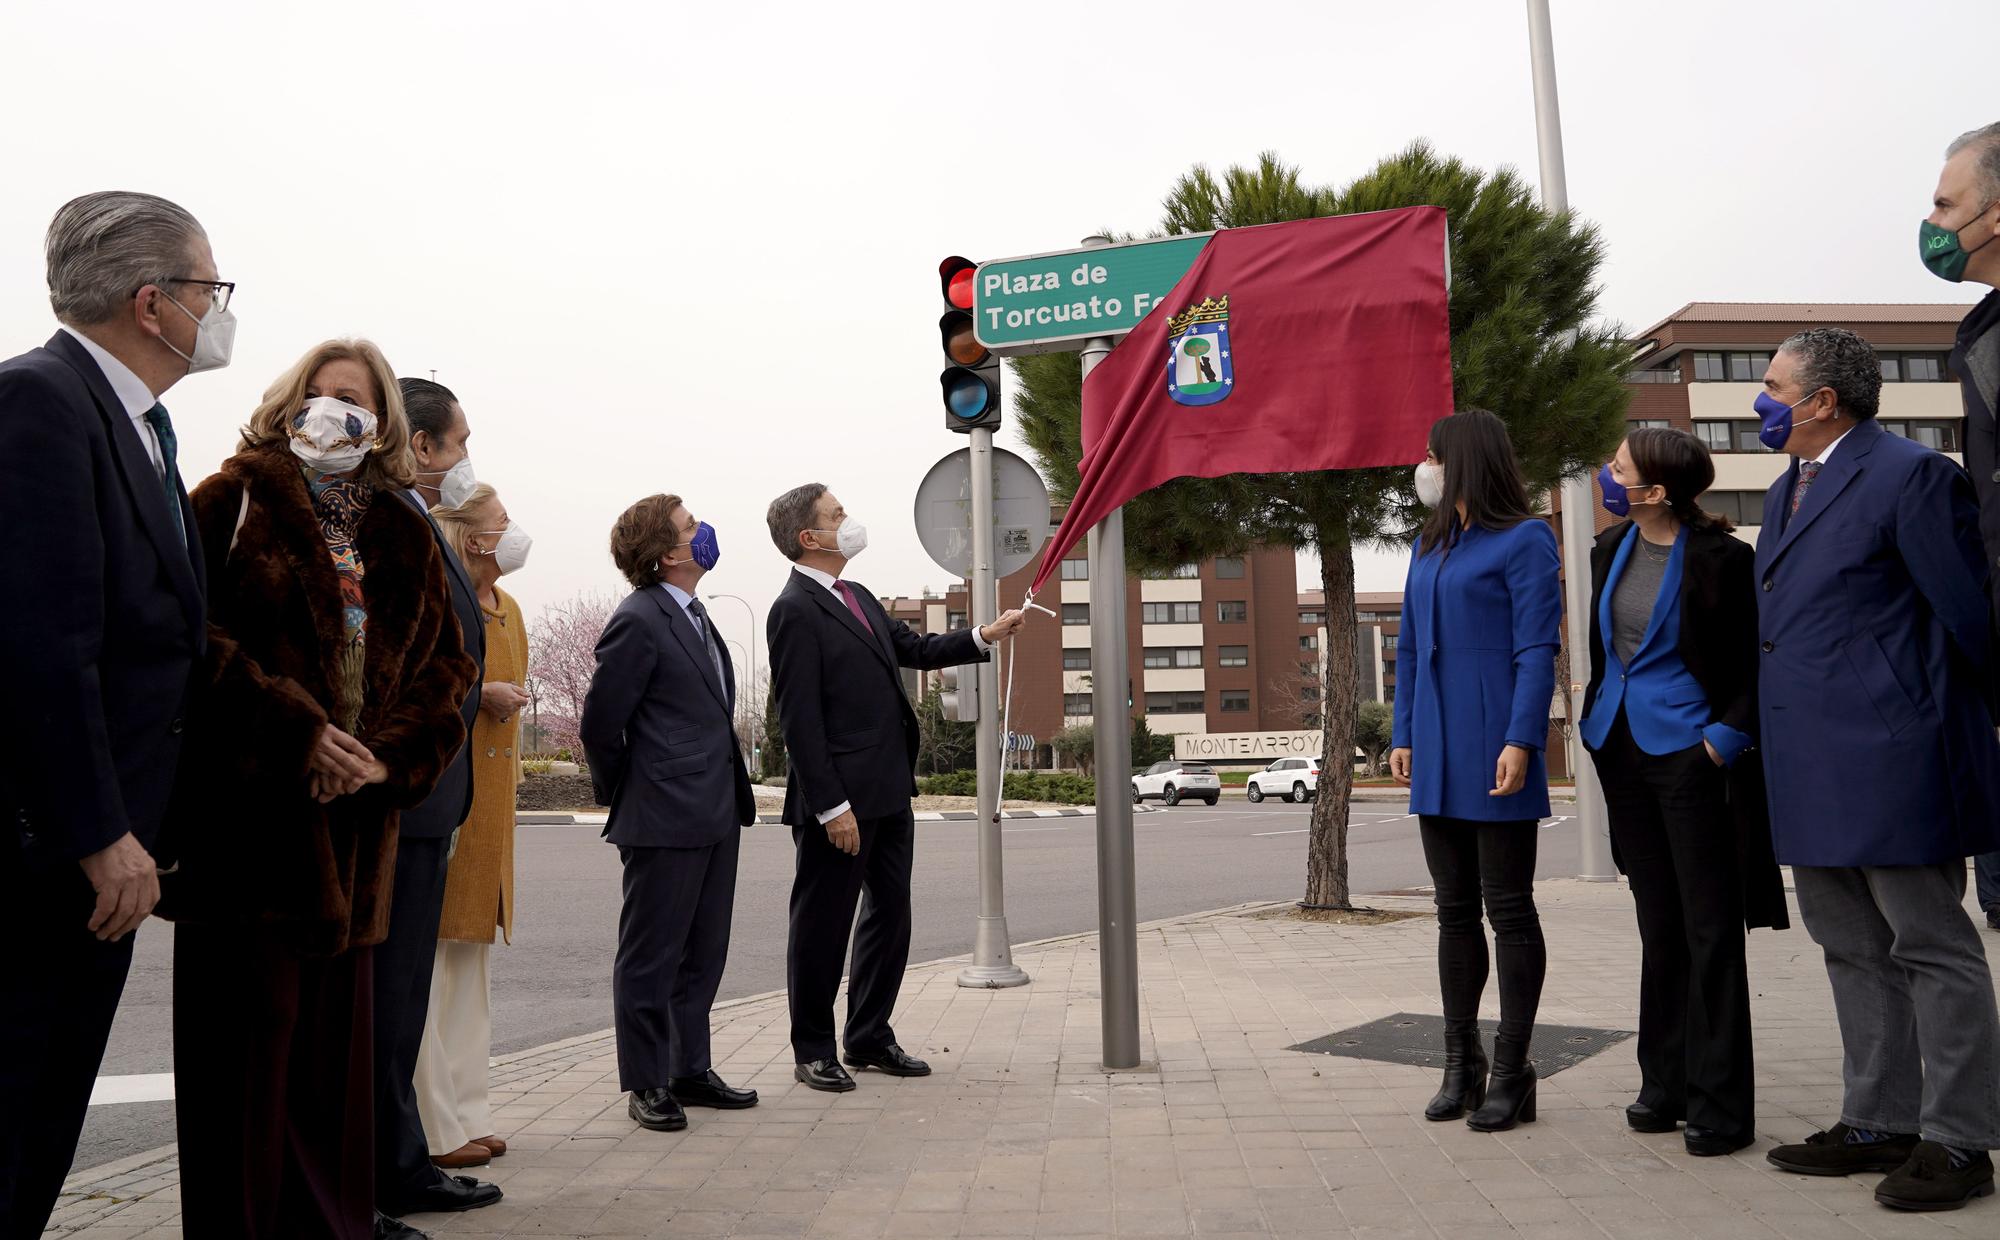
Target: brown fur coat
257	848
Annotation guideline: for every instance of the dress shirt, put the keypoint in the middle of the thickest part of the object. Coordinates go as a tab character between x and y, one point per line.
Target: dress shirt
131	392
1827	455
684	598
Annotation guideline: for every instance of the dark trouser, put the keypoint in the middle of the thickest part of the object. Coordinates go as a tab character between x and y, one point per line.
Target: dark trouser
1676	841
59	989
823	896
1986	880
272	1060
403	964
673	941
1494	862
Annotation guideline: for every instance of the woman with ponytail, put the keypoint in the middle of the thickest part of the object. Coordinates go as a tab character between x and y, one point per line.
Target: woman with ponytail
1670	723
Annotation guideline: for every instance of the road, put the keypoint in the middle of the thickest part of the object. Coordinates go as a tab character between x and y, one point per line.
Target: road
554	981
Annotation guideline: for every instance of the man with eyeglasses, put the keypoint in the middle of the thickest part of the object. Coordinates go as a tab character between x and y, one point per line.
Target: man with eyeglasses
102	625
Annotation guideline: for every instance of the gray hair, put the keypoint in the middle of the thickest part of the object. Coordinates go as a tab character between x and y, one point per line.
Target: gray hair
1833	357
1987	139
791	512
104	247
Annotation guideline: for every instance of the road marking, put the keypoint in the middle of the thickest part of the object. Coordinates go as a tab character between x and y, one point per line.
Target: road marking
1029	830
146	1087
1260	834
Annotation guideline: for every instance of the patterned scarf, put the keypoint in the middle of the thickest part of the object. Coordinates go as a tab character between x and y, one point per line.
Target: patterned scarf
340	504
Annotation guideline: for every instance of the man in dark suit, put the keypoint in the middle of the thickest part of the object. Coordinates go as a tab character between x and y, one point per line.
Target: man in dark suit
851	739
406	1180
659	730
103	623
1883	768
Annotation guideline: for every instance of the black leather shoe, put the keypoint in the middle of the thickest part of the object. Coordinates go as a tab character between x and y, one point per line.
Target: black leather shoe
1641	1118
710	1090
1464	1087
1993	917
891	1059
825	1075
656	1110
450	1195
1831	1153
387	1228
1510	1096
1708	1143
1927	1181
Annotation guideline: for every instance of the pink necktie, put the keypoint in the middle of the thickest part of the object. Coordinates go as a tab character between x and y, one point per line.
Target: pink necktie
847	596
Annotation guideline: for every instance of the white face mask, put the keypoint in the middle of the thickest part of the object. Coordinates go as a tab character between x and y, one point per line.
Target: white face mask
851	537
456	483
214	338
333	436
1430	484
511	552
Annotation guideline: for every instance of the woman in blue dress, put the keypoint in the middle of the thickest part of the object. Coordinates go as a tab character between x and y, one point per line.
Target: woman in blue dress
1482	614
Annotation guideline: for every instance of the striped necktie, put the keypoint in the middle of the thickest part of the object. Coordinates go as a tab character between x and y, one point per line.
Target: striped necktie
708	641
163	430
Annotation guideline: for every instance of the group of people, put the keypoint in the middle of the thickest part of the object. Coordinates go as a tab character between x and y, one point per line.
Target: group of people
1826	701
246	709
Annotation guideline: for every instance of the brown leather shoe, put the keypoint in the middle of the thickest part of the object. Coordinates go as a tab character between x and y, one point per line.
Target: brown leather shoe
495	1146
471	1154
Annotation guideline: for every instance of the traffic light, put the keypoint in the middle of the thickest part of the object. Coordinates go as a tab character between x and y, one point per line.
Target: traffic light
970	383
959	689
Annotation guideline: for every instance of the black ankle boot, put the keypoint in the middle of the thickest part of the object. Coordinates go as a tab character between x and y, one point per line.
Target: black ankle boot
1464	1087
1510	1091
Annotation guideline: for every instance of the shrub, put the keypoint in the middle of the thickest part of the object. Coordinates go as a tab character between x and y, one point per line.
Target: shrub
1057	787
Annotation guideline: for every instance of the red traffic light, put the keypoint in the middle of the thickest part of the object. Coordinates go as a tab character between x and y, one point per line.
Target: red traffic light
955	276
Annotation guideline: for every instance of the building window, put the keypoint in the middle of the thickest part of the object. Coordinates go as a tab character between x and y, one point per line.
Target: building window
1388	642
1235	701
1170	613
1912	367
1076	570
1367	617
1171	656
1179	572
1713	435
1654	424
1669	373
1742	507
1731	435
1076	705
1076	660
1309	693
1708	368
1185	702
1232	613
1939	436
1076	613
954	621
1308	641
1319	617
1228	567
1232	656
1748	367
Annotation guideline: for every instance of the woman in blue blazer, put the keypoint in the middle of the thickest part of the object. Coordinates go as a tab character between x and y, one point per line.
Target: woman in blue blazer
1481	622
1669	719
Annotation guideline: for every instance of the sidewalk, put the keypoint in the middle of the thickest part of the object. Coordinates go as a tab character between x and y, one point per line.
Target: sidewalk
1223	1133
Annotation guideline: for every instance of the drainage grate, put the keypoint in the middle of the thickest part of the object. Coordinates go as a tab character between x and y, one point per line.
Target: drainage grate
1419	1042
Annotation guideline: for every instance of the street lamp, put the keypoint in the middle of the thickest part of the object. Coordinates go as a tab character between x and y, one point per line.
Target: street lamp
739	697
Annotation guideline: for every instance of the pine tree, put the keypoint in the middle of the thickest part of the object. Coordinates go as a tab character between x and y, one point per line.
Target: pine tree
1525	343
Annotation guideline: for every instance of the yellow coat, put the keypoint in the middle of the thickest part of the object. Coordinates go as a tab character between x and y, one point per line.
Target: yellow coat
479	891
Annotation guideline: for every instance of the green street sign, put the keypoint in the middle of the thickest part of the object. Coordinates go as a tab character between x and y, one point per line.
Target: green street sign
1051	303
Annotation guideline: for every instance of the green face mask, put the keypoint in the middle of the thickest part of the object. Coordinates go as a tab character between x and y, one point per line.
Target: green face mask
1940	249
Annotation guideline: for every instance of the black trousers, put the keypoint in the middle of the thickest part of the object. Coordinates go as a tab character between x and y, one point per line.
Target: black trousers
673	942
272	1061
824	892
1675	839
403	964
59	989
1491	863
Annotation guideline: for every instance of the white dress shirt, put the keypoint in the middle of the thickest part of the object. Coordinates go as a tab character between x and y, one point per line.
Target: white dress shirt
826	581
131	392
1827	455
684	598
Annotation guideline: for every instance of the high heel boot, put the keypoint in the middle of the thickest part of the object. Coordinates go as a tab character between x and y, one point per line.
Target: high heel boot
1464	1087
1510	1090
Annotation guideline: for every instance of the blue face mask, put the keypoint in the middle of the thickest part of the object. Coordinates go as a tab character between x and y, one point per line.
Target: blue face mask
1616	501
1776	416
704	548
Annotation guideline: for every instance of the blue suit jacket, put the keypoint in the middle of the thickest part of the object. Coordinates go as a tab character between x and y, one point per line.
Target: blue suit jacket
1877	737
659	730
1476	670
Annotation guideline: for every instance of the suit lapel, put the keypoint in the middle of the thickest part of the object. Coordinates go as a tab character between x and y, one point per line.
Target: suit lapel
1847	463
830	601
683	630
461	580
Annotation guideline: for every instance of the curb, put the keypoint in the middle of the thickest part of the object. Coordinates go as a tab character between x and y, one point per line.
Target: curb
541	819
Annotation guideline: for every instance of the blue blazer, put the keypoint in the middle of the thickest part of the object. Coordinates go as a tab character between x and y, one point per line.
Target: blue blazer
1876	731
1475	670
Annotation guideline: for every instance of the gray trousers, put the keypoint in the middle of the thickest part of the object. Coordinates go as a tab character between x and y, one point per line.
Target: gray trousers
1919	1034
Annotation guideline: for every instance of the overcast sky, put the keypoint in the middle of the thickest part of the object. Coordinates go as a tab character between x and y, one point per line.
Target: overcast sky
693	247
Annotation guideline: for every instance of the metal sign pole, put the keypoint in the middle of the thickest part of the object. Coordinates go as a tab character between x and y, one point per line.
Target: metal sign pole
992	957
1593	839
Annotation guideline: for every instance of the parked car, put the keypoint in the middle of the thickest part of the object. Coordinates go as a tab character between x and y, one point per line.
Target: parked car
1295	779
1174	781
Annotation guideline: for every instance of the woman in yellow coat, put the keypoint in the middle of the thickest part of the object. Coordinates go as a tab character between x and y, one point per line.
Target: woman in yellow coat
451	1080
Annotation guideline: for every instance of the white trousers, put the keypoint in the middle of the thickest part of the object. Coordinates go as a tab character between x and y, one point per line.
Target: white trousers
457	1049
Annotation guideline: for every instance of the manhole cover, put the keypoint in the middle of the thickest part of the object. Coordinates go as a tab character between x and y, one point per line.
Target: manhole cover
1419	1042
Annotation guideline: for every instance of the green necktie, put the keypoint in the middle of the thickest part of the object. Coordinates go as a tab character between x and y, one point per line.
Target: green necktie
163	428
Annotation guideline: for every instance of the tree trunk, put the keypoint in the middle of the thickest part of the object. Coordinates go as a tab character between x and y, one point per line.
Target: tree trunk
1326	849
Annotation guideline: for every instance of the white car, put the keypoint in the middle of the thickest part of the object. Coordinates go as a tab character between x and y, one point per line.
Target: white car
1295	779
1173	782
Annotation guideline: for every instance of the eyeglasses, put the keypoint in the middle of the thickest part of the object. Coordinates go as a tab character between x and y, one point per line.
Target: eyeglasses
219	290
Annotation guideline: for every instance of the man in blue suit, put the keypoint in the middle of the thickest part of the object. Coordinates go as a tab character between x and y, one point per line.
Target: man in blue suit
659	730
1883	767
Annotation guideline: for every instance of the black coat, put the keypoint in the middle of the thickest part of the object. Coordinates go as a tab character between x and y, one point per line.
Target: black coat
1979	385
850	734
103	619
445	809
1718	642
659	730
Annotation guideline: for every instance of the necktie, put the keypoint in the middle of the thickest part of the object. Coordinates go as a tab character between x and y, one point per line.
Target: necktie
163	429
706	629
846	593
1808	470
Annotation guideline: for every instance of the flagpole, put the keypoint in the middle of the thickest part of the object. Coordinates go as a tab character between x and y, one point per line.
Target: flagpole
1593	839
